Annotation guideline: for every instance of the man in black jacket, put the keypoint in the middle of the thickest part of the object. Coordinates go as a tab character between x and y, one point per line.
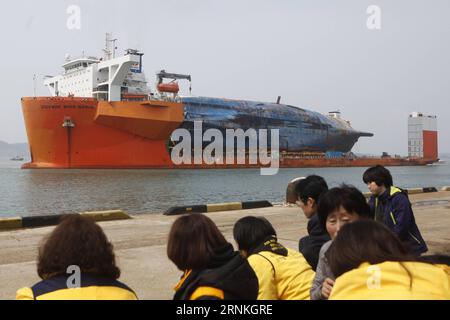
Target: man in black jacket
308	191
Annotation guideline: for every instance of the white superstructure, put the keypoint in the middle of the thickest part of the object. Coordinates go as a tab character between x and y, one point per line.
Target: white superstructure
109	78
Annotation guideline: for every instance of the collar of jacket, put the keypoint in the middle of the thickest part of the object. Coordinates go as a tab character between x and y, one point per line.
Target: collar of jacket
235	278
221	256
389	193
394	190
271	244
186	275
315	227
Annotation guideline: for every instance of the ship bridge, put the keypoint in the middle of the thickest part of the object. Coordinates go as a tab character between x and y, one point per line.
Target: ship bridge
107	79
79	64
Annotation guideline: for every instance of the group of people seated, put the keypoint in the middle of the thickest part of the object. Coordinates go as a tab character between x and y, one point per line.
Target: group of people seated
354	250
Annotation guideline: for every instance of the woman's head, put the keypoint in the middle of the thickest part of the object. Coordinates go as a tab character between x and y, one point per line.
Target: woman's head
78	241
364	241
342	205
193	240
250	232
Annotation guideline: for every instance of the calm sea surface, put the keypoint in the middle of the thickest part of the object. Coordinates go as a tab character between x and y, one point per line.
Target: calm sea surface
38	192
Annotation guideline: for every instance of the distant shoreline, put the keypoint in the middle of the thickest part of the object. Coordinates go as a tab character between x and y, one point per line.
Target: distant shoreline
14	149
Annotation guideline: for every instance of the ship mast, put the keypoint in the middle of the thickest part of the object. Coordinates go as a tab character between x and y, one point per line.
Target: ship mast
110	47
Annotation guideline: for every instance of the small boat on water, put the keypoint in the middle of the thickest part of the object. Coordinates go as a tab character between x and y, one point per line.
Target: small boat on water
17	158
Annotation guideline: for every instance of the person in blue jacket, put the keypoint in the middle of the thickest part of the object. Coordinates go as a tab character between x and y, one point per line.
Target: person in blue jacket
391	206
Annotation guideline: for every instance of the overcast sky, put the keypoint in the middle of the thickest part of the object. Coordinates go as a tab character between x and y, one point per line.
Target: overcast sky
317	55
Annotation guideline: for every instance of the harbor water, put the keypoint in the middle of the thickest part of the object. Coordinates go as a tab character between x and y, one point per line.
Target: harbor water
47	192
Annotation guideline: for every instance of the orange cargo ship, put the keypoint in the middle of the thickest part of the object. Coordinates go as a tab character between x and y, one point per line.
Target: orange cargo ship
102	115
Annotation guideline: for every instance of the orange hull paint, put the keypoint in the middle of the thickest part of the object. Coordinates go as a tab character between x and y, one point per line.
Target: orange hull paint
130	134
105	135
430	144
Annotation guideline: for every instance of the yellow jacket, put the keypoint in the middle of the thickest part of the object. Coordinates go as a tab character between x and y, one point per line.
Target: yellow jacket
92	288
390	281
282	277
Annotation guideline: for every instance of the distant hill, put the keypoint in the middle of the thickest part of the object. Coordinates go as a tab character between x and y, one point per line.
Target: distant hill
14	149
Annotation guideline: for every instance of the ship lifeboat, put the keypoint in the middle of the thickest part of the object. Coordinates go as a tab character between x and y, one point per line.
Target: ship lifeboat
172	87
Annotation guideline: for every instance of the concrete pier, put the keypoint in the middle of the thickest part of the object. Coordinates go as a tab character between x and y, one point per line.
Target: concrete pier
140	243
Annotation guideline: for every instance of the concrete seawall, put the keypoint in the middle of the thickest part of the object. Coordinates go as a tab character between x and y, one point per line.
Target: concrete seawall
140	243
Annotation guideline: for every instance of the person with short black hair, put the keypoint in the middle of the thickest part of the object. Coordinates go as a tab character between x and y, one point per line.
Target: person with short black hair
212	269
308	192
380	175
283	274
391	206
337	207
80	243
370	262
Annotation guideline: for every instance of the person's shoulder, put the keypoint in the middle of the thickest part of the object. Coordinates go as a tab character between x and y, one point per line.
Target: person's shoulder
122	285
261	260
325	247
399	197
24	294
398	192
261	256
444	267
294	253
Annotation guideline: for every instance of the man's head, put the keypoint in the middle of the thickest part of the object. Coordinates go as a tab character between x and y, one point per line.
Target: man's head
308	192
377	179
340	206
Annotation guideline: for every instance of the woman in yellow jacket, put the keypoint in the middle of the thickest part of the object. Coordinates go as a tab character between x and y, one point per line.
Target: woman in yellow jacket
371	263
77	262
283	274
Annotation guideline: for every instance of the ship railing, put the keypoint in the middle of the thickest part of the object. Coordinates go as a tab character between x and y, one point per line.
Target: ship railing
87	58
100	95
134	97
